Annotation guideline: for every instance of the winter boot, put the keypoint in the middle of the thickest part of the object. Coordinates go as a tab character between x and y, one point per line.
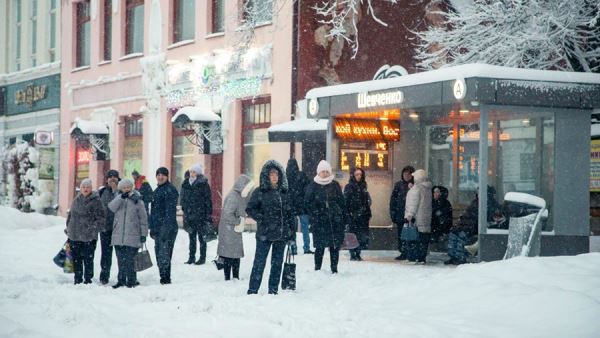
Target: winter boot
191	260
201	261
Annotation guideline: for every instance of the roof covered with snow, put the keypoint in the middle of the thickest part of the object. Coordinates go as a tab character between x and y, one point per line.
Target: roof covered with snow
196	114
520	197
300	125
457	72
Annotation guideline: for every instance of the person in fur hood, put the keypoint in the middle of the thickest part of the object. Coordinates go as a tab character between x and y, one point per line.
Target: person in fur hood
270	206
231	247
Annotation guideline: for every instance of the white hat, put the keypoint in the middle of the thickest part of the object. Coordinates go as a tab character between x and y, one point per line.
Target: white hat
420	175
124	183
324	166
197	168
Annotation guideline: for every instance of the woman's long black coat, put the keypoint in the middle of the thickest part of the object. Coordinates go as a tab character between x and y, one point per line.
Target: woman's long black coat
326	207
358	205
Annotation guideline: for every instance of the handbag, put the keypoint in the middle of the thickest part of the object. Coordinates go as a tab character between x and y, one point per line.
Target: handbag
288	278
210	233
409	232
61	256
219	263
142	260
350	241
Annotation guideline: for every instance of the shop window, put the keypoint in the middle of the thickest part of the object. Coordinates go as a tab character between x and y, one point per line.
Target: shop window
257	12
184	156
133	147
255	140
134	26
107	30
27	138
218	16
183	20
82	45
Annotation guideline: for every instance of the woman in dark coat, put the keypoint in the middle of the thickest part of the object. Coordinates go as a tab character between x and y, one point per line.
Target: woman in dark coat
270	206
326	208
87	217
398	205
358	205
196	205
441	218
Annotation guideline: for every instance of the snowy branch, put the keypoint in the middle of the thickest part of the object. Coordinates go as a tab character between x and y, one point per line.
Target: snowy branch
539	34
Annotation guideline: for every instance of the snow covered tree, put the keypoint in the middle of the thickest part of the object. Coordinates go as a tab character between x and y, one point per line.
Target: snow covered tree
538	34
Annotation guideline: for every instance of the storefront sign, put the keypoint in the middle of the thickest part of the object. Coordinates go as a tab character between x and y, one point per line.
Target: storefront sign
84	156
366	100
372	130
459	89
313	107
28	96
595	166
369	156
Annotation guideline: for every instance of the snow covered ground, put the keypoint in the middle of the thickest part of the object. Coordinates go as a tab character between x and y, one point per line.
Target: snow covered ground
541	297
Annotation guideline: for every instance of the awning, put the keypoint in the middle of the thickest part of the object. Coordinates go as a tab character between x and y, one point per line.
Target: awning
194	114
301	130
88	127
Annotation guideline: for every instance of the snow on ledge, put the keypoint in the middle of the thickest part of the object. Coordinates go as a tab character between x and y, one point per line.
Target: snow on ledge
453	73
89	127
299	125
596	129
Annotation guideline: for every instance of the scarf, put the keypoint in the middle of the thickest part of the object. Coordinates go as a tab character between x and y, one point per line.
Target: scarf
324	181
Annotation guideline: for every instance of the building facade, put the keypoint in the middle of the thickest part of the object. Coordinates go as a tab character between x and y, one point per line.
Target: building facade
30	103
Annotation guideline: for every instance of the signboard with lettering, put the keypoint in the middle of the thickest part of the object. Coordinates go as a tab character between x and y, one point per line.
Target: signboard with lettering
595	166
37	94
366	155
367	130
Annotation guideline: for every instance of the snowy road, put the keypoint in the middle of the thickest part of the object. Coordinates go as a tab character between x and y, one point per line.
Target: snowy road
543	297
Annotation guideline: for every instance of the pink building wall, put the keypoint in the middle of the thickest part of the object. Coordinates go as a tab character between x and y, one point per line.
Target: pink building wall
96	91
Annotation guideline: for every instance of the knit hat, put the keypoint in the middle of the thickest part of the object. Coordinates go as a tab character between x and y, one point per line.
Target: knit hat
324	166
135	173
163	171
112	173
197	168
124	183
420	175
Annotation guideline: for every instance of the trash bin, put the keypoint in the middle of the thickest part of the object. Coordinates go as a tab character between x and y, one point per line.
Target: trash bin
525	214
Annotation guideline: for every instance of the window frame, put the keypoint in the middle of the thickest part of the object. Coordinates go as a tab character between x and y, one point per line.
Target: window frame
106	39
246	126
214	16
80	21
34	23
130	6
177	33
18	32
52	30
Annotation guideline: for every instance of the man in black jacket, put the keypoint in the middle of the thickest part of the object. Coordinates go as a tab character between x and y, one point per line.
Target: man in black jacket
197	210
298	181
107	194
270	207
163	223
398	204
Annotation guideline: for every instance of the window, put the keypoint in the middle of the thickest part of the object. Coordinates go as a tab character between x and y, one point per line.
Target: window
257	12
134	127
134	27
82	57
52	48
18	30
255	140
107	31
218	16
183	20
133	147
33	19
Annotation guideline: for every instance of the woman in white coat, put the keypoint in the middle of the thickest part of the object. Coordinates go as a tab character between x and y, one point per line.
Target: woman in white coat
418	210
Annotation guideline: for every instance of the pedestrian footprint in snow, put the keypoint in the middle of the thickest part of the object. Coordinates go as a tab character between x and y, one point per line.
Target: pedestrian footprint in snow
86	218
271	208
231	247
326	208
129	231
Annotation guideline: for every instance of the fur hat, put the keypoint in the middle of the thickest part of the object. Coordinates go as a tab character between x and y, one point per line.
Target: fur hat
324	166
197	168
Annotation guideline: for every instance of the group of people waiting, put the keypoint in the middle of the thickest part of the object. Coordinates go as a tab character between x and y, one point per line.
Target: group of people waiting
124	212
415	200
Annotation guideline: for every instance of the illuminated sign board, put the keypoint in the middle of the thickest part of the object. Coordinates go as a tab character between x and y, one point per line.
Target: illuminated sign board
84	156
366	100
373	156
367	130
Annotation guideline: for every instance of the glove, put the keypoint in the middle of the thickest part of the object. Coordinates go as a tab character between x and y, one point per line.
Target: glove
124	195
143	239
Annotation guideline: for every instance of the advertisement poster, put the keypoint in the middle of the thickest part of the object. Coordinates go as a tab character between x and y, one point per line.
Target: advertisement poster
595	166
46	166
